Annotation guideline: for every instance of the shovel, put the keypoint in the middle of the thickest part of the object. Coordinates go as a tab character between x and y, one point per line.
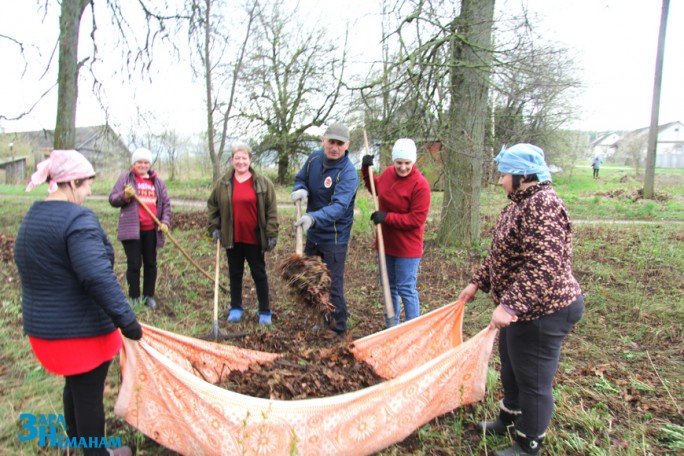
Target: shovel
216	334
156	220
389	306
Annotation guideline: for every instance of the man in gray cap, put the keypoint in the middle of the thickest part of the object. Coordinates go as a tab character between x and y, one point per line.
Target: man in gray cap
327	185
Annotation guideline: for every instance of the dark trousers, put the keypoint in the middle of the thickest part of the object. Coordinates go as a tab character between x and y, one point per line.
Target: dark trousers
596	171
83	405
236	269
530	351
141	253
334	256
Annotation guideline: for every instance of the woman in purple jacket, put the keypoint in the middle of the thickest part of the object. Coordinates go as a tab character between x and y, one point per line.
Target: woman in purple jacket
137	231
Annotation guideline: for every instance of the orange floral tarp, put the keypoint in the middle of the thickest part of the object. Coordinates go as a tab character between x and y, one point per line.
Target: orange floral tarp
167	392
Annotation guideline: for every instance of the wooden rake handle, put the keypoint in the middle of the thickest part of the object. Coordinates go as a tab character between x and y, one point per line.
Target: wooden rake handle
299	242
175	242
217	269
389	306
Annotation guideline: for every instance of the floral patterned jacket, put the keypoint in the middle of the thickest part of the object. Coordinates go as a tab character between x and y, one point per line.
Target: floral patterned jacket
529	266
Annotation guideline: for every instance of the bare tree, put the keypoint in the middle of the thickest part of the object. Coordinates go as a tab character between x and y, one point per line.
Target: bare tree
532	93
470	59
455	83
71	12
69	66
296	79
221	69
455	48
173	145
631	150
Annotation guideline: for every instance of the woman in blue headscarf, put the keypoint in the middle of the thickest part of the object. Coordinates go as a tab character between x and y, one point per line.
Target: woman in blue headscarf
529	275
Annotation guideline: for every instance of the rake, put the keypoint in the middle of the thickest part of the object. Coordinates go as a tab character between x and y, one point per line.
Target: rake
216	334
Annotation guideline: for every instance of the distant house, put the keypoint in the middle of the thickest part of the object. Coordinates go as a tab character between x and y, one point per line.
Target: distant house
100	144
669	145
12	170
605	145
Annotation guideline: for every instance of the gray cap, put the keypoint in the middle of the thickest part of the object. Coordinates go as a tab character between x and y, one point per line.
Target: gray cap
337	131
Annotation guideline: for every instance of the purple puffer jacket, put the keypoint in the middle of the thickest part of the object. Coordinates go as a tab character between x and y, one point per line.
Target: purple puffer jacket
129	221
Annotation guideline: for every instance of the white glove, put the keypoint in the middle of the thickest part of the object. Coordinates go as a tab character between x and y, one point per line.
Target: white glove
305	221
299	195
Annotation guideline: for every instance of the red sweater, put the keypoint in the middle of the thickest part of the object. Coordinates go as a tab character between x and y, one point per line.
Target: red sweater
406	200
148	195
245	220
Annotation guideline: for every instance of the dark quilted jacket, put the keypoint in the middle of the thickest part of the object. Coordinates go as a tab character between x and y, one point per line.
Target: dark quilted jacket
65	263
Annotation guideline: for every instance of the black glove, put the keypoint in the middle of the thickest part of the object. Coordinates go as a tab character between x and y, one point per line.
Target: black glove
216	234
132	331
378	217
272	241
367	161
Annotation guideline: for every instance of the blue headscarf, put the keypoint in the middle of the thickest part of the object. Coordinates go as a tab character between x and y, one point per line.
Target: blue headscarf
523	160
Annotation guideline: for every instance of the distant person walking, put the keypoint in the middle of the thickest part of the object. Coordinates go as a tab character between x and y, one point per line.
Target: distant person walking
243	215
404	203
137	231
596	165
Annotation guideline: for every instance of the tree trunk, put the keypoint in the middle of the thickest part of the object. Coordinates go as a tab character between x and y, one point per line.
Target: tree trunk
283	166
214	156
469	80
67	78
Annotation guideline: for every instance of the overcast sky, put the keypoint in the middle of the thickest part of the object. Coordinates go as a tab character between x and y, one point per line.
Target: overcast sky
615	43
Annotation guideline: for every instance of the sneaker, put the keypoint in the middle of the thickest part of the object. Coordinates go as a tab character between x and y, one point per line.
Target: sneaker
235	316
265	319
150	302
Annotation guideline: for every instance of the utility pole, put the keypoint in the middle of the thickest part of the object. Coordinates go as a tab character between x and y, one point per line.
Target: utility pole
649	178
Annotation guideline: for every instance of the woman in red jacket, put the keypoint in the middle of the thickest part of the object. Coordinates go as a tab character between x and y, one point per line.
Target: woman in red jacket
404	202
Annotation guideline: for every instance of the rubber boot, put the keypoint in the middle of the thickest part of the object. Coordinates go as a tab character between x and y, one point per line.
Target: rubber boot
505	419
523	445
265	318
235	315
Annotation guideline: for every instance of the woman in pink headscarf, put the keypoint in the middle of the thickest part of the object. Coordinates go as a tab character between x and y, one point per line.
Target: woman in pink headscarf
72	303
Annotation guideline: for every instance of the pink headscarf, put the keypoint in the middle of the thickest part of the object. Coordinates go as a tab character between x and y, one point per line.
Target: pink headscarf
61	166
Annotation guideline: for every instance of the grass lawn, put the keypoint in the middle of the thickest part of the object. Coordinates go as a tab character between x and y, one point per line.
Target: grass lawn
620	384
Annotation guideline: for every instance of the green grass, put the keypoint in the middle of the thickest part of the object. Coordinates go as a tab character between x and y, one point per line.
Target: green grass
612	197
619	388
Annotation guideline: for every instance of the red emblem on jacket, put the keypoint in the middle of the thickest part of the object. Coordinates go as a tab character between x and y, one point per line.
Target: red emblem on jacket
327	183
